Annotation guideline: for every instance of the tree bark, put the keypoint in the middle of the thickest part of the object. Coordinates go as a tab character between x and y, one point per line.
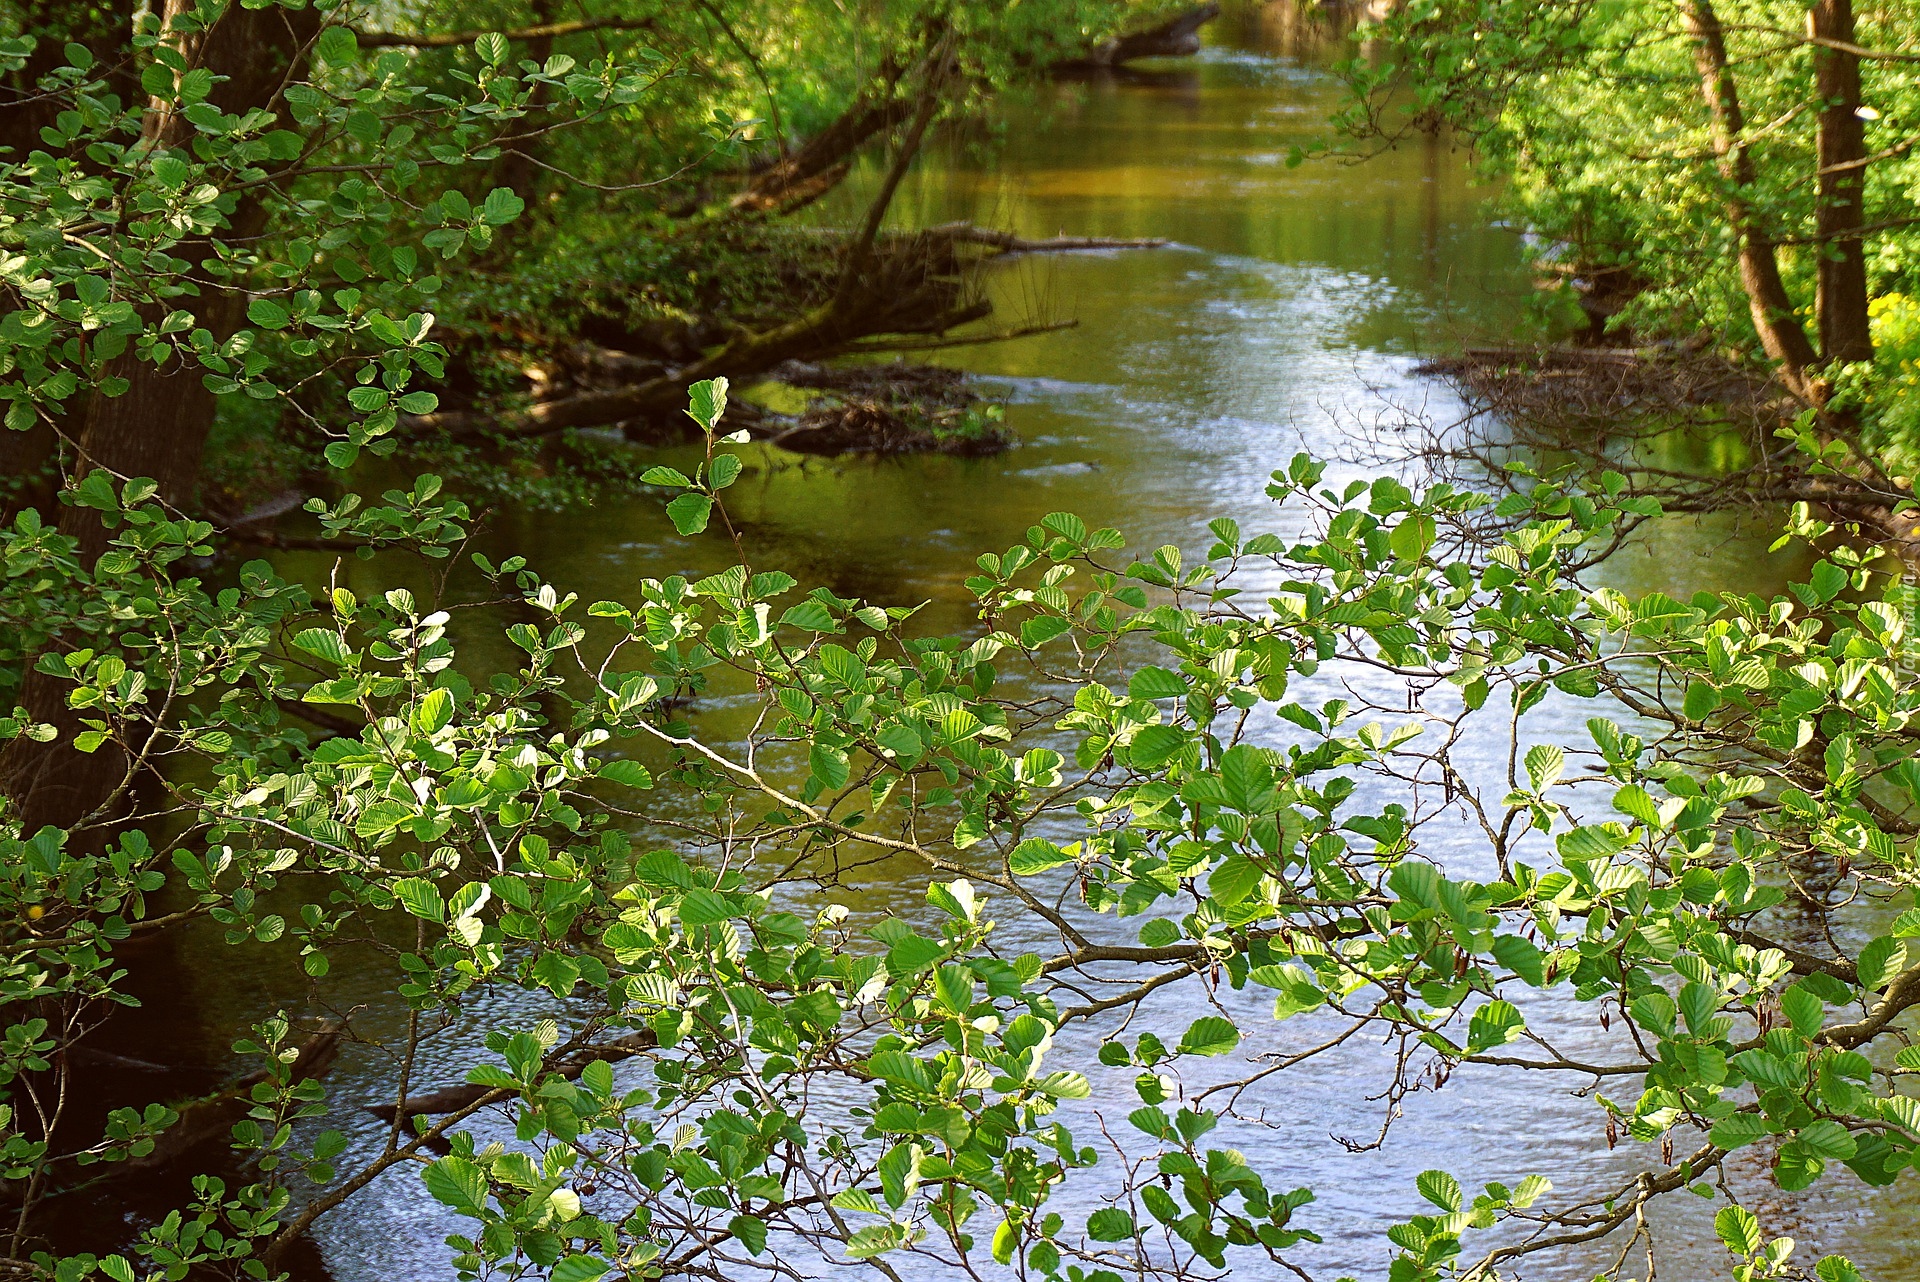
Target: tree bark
1767	298
816	167
1841	303
158	427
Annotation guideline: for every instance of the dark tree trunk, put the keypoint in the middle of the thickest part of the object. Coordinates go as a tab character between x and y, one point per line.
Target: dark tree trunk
54	24
1767	298
1842	299
516	169
158	427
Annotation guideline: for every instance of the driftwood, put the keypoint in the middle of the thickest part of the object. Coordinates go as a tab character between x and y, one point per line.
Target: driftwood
1177	37
1006	242
911	296
451	1099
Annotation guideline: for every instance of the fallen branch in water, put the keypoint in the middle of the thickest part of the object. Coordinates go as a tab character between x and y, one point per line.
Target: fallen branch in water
452	1099
1011	243
1177	37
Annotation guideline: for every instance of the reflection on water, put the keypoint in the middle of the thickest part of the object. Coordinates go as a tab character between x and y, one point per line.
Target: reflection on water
1286	314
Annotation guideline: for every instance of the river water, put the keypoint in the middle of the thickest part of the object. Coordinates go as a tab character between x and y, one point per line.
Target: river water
1286	313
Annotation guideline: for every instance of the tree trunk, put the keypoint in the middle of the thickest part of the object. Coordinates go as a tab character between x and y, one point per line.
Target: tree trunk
158	427
516	169
1780	333
1842	299
815	168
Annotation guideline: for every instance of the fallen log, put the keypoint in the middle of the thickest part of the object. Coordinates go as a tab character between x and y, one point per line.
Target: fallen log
1178	37
1006	242
815	168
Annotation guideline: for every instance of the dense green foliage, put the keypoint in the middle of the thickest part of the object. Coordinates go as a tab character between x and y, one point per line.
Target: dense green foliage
1593	115
1628	874
1129	768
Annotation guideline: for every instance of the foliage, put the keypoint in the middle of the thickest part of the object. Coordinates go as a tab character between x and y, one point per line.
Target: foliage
1127	768
1592	116
1633	875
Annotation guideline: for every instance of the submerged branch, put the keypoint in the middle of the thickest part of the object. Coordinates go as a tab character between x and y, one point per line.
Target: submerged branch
453	39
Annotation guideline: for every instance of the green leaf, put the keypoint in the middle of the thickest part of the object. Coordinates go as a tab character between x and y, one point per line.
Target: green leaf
624	771
829	766
703	908
421	898
1412	537
857	1200
689	513
1797	1166
1040	629
810	615
1036	855
1157	683
1494	1024
1739	1229
336	46
707	402
1702	699
580	1268
557	973
492	48
1635	801
1065	1085
1829	1139
1521	956
1880	961
1110	1224
1152	746
157	80
1234	880
1837	1268
665	476
501	206
1739	1130
458	1183
876	1239
1827	581
1209	1035
912	955
1545	762
1440	1189
1803	1009
434	712
268	314
749	1232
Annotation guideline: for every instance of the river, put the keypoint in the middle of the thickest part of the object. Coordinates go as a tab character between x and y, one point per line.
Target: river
1286	313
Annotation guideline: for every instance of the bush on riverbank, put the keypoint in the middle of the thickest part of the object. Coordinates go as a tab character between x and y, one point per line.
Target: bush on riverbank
556	838
1721	173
